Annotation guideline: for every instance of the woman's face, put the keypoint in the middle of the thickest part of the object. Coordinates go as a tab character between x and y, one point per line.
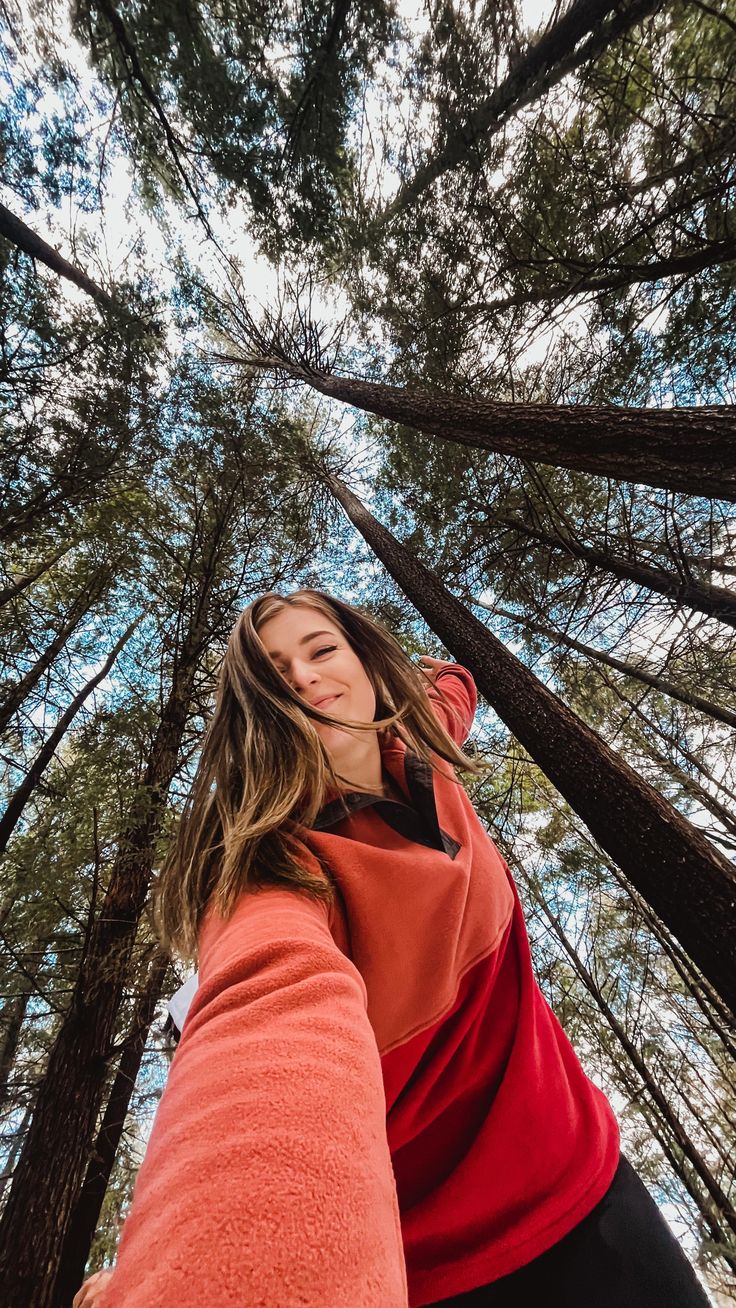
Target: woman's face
314	656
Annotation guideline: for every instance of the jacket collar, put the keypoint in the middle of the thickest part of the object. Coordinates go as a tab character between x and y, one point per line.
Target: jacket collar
416	819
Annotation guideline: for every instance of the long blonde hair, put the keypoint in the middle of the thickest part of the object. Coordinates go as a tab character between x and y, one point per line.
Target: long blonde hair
263	773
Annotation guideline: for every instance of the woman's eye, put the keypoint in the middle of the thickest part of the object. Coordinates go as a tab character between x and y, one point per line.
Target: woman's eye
327	649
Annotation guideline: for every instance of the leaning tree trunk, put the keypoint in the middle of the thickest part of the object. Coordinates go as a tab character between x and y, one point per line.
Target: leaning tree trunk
80	608
20	797
689	885
20	235
702	596
681	693
86	1214
556	54
691	450
52	1165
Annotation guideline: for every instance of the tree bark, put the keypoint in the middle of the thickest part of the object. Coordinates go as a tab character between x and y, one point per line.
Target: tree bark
86	1214
690	450
680	693
716	601
687	882
19	234
81	606
561	50
20	797
52	1165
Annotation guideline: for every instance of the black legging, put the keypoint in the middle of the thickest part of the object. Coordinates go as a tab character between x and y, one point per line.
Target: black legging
622	1255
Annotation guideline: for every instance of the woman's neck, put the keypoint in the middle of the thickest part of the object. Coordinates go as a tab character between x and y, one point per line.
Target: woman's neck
362	769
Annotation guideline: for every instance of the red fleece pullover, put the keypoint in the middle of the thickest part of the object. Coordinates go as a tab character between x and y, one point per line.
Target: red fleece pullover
370	1106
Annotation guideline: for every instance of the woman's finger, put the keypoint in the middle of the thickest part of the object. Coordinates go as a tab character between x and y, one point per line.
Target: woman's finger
430	667
88	1295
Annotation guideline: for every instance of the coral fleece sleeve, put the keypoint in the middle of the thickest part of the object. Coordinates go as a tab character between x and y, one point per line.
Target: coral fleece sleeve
456	702
267	1182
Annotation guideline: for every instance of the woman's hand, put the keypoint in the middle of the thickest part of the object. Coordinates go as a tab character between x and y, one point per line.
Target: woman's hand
430	667
92	1290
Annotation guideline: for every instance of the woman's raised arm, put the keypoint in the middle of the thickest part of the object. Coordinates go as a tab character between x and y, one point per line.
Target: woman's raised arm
458	699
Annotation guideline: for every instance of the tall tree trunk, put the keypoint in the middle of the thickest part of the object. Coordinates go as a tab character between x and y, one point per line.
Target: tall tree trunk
561	50
18	1137
20	797
716	601
19	234
680	693
719	1222
12	1017
86	1214
80	608
26	579
14	1012
687	882
52	1165
691	450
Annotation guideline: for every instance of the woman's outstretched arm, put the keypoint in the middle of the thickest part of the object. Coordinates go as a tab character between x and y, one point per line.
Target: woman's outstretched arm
267	1178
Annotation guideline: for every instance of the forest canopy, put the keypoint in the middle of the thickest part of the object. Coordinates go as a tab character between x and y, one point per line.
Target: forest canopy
430	305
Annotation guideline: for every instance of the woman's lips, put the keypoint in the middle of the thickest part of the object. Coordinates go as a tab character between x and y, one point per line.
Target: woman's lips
320	703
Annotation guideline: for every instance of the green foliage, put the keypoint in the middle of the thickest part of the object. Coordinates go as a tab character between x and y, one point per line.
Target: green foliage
249	100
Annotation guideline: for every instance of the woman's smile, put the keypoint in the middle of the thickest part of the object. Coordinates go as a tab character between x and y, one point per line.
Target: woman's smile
324	700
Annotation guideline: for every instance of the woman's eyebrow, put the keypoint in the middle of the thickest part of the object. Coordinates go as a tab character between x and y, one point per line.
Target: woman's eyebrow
304	640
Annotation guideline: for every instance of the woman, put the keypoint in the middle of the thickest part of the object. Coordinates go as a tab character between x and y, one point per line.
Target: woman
371	1104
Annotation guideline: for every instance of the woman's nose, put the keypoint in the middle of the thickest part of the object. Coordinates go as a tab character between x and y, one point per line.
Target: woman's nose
303	675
